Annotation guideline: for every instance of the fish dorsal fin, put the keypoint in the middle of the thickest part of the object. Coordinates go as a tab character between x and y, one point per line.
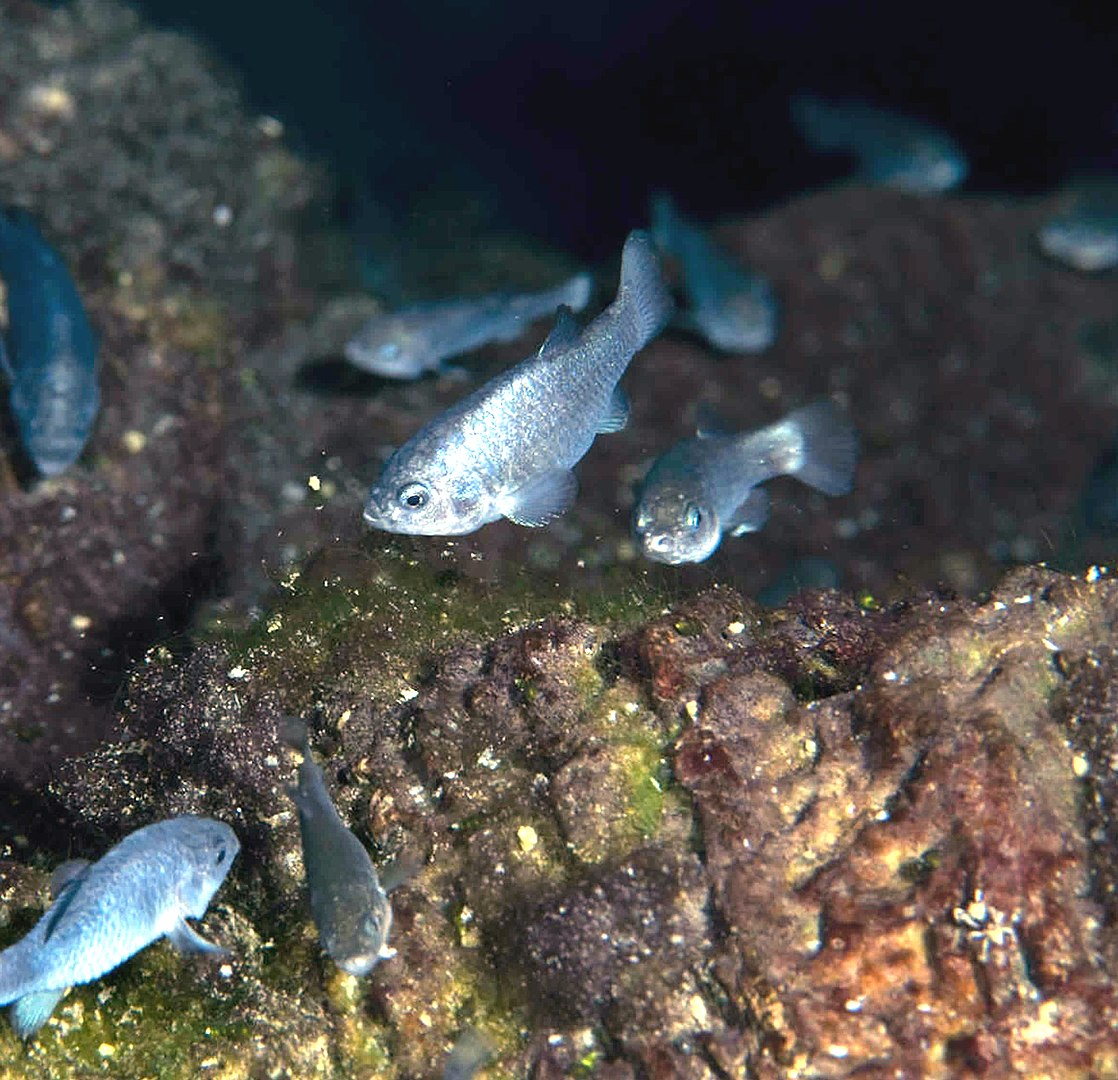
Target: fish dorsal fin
542	499
64	884
617	416
563	334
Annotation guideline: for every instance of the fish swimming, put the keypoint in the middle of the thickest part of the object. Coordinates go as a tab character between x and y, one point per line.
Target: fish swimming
707	486
508	449
1084	242
405	344
467	1056
733	309
51	355
892	149
105	912
350	907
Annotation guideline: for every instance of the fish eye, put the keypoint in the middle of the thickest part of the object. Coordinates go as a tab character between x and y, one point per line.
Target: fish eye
414	496
693	517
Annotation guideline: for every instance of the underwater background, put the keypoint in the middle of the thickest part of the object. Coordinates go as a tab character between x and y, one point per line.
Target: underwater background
836	801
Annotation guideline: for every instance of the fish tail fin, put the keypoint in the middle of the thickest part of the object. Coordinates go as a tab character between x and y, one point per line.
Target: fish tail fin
642	300
294	732
33	1010
576	292
828	447
664	218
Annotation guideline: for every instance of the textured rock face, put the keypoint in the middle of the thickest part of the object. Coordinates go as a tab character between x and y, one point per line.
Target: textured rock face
823	841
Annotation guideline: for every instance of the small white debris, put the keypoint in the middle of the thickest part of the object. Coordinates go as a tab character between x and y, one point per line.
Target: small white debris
1080	766
527	838
735	628
314	483
223	216
270	127
80	623
67	513
837	1051
409	693
1026	599
692	709
890	676
488	760
237	673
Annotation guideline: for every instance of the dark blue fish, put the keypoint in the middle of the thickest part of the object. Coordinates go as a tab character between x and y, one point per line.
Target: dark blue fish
51	361
141	890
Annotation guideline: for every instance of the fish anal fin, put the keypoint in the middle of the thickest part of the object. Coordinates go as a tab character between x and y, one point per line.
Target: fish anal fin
542	499
32	1011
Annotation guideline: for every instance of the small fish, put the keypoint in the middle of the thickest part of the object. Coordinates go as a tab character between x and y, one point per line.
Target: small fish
51	361
468	1056
404	344
349	905
1083	242
706	486
732	308
139	891
508	449
892	149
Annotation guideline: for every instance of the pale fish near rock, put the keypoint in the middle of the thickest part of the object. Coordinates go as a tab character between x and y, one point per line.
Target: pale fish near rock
707	486
404	344
103	913
509	448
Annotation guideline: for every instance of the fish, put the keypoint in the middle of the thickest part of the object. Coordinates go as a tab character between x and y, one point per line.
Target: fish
50	361
733	309
407	343
509	448
144	888
892	149
707	486
1084	233
467	1056
350	906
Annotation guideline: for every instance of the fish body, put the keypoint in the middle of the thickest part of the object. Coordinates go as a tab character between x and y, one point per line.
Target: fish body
892	149
350	908
105	912
51	354
1088	243
707	486
406	343
508	449
733	309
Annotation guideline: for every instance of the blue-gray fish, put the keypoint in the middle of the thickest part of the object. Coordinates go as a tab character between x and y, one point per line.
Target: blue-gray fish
141	890
1084	234
405	344
467	1056
892	149
733	309
350	907
508	449
707	486
51	361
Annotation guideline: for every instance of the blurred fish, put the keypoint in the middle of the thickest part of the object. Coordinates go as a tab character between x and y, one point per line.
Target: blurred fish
508	449
51	358
143	889
1084	235
706	486
894	150
404	344
350	908
732	308
468	1056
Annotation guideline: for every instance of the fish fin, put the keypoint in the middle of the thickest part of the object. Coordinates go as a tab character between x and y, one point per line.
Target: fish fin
578	291
709	422
751	515
66	874
618	414
186	939
32	1011
829	452
542	499
642	294
402	869
295	733
563	334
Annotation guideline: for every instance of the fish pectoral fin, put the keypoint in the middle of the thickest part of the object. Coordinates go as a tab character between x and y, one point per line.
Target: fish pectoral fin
186	939
751	514
618	414
542	499
32	1011
563	334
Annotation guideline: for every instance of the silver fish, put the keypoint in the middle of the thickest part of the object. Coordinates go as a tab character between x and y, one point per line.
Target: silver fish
707	486
51	356
1087	242
467	1056
508	449
349	905
144	888
732	308
892	149
404	344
